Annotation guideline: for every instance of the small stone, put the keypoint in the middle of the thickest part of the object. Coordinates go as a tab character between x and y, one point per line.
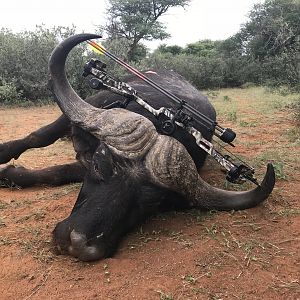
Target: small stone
31	277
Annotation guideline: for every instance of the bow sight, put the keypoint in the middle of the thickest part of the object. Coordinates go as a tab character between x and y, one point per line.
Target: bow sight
184	115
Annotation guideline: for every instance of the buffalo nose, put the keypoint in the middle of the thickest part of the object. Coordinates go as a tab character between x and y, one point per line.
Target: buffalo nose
78	241
79	248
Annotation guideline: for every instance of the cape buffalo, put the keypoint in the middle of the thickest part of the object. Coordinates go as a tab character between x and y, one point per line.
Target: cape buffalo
129	169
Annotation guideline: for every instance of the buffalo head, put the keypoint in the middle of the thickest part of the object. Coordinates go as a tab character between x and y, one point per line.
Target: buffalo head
132	172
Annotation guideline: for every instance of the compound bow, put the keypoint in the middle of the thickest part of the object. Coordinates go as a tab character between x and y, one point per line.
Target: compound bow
184	116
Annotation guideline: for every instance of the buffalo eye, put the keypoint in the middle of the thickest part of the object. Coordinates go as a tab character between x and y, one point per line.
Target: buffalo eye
102	164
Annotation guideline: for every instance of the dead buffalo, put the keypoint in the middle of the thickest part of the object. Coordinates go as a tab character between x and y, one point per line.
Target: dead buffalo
129	169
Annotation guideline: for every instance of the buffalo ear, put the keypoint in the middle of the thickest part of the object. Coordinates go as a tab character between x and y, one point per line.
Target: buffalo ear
102	166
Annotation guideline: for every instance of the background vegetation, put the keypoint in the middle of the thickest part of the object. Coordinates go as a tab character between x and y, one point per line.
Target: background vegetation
265	51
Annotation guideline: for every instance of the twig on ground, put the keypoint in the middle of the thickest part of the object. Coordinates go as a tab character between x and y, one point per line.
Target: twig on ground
41	284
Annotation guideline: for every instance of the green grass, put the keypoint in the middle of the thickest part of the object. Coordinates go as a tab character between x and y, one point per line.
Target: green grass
164	296
4	241
2	222
189	278
293	135
243	123
288	212
259	99
242	249
3	205
59	192
37	215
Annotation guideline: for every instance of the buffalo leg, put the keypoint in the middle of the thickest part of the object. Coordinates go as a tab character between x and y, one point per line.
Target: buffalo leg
56	175
42	137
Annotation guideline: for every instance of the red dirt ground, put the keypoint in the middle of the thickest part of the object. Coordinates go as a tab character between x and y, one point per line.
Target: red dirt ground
253	254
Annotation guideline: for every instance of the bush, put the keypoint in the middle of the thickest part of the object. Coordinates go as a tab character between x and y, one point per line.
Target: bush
9	93
297	111
24	63
202	72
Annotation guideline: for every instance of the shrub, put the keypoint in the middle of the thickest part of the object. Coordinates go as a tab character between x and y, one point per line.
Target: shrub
9	93
24	63
297	111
